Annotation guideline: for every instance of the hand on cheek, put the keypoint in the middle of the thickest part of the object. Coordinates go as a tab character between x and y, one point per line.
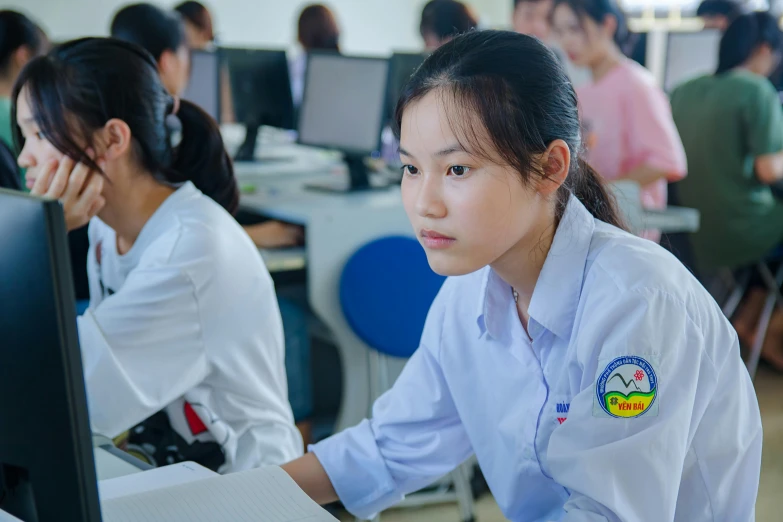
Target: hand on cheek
77	187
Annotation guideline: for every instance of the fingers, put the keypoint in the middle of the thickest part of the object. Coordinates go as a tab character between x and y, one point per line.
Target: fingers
44	179
80	210
60	180
75	182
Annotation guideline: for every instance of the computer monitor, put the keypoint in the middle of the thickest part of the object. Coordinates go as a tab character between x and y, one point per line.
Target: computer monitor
204	85
343	107
688	55
47	469
260	88
401	68
639	50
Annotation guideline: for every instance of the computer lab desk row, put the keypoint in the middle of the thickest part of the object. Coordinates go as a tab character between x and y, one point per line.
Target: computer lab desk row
337	224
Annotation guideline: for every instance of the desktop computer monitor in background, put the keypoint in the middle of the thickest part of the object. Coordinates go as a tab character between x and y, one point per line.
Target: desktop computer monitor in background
204	85
401	68
343	108
47	469
260	88
639	49
688	55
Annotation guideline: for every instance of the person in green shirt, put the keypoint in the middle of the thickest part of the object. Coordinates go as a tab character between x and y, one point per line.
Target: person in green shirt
731	125
20	41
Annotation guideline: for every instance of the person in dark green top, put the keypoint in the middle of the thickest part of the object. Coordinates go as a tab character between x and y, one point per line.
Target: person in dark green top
731	125
20	41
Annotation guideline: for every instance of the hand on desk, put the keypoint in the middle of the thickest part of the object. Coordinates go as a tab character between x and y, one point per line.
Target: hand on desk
274	234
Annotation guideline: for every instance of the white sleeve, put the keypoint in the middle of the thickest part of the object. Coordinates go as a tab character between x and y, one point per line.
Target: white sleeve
623	469
142	348
414	437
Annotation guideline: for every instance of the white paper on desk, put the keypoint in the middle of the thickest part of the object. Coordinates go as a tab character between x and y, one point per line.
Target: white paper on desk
259	495
157	478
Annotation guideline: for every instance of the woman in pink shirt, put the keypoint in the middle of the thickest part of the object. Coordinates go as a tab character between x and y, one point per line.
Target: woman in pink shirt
627	117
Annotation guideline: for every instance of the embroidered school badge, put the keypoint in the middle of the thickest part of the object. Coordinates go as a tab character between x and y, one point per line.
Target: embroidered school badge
627	388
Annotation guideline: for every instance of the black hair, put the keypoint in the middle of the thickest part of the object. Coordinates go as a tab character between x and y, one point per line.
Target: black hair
81	85
197	14
149	27
745	34
16	30
519	92
598	10
317	29
446	19
728	8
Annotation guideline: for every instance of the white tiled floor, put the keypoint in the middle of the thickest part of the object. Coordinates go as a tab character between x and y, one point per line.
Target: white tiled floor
769	387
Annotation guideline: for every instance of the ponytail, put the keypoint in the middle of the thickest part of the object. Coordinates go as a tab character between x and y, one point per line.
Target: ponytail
202	159
591	190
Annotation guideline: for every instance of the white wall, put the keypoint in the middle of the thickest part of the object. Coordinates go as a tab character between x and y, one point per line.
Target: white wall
368	26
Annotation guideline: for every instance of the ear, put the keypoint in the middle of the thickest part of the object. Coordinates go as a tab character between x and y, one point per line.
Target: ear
609	26
555	163
167	64
166	61
763	50
21	56
115	139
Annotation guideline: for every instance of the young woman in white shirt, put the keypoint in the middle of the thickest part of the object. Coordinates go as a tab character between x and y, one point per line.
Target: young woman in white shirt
588	371
183	338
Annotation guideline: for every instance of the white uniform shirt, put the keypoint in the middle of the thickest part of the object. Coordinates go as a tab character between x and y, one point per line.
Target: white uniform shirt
617	325
188	315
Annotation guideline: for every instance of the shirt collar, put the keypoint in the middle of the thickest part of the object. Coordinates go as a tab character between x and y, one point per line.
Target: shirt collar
559	286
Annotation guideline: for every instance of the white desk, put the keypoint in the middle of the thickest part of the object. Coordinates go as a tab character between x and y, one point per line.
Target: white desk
283	259
336	225
109	466
111	462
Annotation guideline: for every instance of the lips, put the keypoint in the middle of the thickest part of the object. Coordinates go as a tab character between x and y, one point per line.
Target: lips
436	240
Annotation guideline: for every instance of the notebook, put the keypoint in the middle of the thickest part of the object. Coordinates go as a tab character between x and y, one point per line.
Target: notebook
259	495
157	478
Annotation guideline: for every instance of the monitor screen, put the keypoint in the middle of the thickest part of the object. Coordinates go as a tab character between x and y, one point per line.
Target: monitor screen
639	49
401	68
260	87
204	86
689	55
344	102
47	470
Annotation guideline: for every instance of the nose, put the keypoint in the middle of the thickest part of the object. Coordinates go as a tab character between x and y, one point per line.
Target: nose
26	157
429	200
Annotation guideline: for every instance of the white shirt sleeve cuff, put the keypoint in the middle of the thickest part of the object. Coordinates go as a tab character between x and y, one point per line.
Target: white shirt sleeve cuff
357	471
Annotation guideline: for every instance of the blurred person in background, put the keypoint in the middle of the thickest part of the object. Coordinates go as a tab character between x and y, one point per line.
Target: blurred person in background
731	124
442	20
199	29
317	30
718	14
631	134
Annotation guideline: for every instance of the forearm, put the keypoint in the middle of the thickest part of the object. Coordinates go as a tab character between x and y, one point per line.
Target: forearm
311	476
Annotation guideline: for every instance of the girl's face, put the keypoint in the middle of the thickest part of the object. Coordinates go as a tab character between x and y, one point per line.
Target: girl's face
37	153
532	18
174	69
584	41
466	211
